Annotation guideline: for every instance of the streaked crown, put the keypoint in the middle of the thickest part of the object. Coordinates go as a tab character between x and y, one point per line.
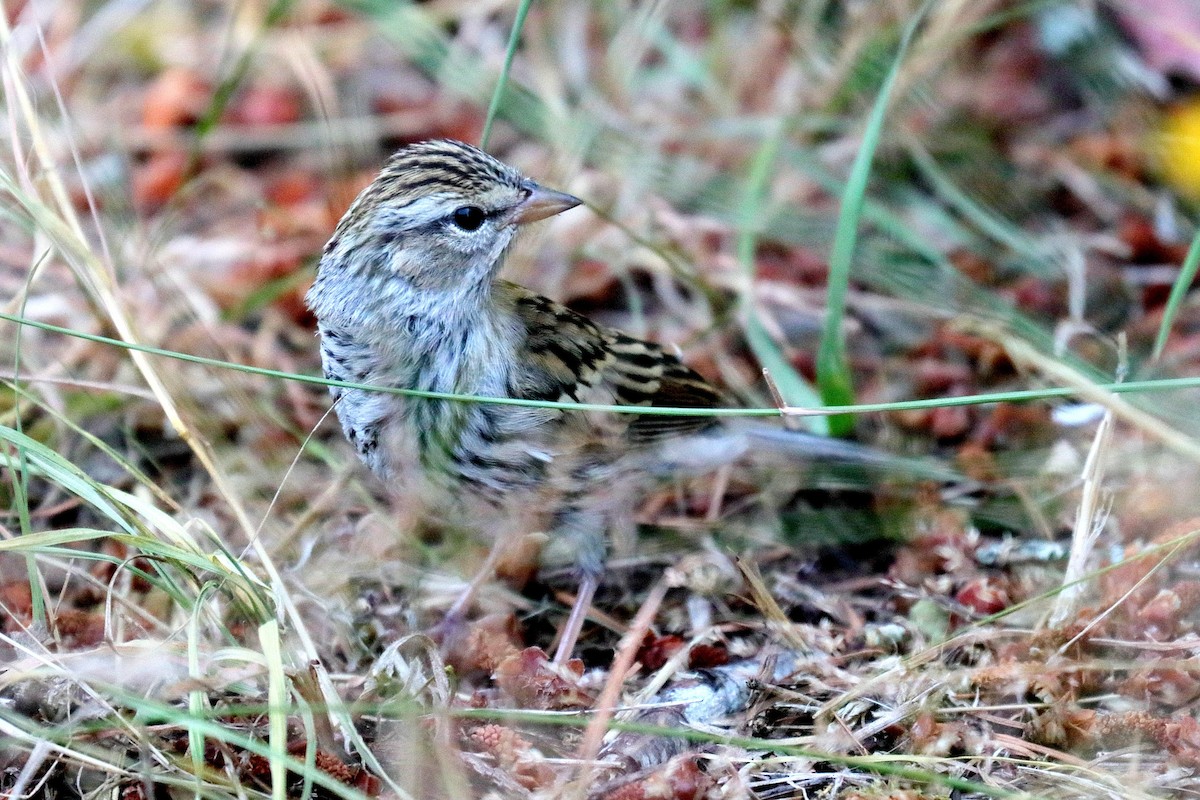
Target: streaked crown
425	179
444	166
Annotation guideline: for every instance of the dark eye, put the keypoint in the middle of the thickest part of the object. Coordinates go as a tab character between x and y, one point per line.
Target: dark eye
469	218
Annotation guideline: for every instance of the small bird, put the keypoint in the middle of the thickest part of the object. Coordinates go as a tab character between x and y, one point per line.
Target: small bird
407	295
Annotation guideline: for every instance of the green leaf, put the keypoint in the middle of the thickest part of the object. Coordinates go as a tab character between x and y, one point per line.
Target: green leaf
833	368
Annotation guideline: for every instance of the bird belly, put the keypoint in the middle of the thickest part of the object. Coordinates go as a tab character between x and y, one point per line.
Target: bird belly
500	453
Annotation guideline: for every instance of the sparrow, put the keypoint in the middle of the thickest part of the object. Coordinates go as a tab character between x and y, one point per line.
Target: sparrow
408	295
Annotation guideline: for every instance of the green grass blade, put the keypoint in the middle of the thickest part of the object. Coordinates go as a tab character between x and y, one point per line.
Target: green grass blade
990	222
37	458
514	39
794	389
151	713
833	368
20	484
1179	290
131	469
420	37
230	83
41	540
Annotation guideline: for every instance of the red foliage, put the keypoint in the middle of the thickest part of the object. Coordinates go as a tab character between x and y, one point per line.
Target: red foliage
159	178
266	104
177	98
679	779
534	682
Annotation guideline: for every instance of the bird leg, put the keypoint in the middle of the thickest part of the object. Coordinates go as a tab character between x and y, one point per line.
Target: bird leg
485	573
584	531
569	635
450	628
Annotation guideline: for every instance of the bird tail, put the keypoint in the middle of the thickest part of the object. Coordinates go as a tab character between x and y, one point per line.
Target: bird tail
811	447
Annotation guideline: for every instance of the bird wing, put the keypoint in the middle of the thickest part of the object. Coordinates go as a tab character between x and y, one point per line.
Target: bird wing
643	374
569	357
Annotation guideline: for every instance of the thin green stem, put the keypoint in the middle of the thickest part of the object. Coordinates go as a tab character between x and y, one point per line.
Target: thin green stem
1019	396
1179	290
514	39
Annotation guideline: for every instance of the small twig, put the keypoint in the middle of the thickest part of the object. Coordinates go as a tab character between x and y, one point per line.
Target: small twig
80	383
720	485
790	421
1088	524
593	735
766	603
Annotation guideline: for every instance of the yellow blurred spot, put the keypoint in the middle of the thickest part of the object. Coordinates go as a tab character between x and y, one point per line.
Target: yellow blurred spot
1179	147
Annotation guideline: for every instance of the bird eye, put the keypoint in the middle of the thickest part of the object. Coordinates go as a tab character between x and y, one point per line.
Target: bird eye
469	218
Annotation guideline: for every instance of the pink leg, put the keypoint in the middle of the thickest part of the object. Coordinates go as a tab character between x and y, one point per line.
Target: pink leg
444	631
583	603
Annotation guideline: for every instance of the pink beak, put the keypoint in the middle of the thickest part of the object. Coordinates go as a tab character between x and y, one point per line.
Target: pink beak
542	203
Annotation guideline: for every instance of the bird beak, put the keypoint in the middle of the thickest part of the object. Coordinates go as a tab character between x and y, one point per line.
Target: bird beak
542	203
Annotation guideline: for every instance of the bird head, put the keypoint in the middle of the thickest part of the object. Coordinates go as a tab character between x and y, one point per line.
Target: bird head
438	220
